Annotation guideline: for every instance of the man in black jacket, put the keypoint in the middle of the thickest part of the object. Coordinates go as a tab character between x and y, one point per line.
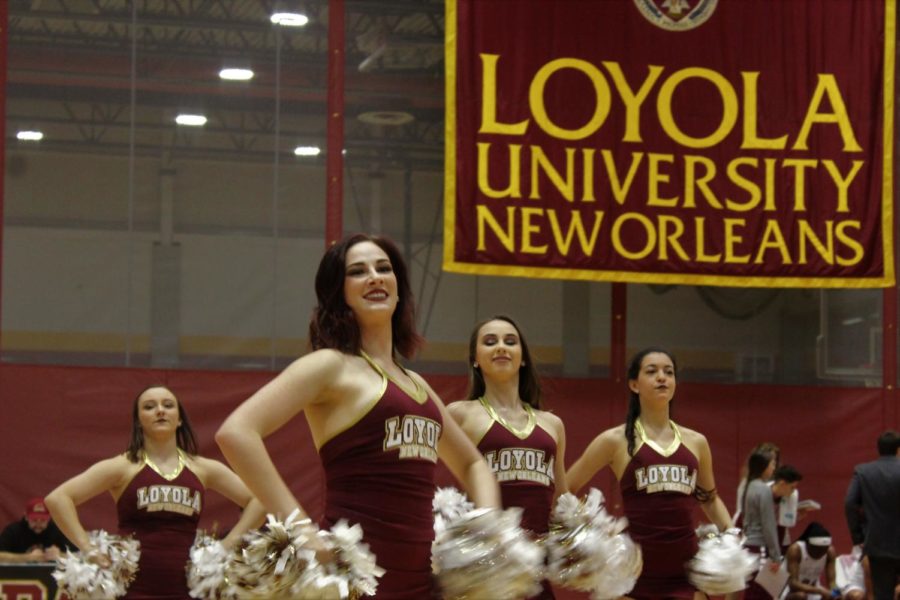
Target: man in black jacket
875	488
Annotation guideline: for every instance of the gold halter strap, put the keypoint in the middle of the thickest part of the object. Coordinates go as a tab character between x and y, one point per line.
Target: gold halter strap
519	433
668	451
418	393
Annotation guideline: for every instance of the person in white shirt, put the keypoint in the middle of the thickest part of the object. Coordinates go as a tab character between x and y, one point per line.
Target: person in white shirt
790	509
807	559
852	575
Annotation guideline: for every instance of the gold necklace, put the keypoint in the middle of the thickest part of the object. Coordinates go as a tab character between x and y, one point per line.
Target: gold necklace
167	476
519	433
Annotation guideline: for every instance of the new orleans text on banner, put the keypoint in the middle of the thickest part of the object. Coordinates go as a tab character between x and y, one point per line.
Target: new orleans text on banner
586	141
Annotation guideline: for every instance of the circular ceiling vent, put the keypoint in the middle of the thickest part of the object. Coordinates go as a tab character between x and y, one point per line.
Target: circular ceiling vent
386	117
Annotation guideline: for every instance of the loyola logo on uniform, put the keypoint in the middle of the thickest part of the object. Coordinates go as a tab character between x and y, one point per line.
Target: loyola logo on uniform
413	436
172	498
666	478
522	464
676	15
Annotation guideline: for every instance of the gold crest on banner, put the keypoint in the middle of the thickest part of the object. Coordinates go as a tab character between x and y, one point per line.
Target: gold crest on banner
676	15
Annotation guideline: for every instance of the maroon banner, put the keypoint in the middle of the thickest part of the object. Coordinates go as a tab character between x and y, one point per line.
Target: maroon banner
701	142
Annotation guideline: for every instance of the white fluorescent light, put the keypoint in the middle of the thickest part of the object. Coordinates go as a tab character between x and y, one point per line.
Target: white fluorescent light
30	136
236	74
191	120
852	321
289	19
307	150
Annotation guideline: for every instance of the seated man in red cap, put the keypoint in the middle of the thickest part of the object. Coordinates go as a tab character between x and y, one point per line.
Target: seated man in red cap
34	537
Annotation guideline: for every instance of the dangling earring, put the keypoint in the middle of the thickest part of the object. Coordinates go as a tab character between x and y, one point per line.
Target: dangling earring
474	365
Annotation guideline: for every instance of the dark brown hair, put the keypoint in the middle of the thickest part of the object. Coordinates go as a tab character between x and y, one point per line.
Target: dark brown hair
757	463
529	382
333	325
767	448
184	435
787	473
634	400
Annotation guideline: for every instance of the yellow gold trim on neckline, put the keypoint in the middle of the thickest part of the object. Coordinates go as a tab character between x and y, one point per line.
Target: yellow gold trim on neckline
418	395
167	476
670	450
519	433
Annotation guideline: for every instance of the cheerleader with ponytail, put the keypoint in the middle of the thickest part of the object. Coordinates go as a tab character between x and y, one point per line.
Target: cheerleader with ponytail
664	470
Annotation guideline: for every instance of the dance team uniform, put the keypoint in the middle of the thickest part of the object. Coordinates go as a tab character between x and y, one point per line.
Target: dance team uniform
657	492
522	462
379	473
162	513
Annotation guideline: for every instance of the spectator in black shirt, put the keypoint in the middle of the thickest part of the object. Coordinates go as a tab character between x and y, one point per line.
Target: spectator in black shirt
34	537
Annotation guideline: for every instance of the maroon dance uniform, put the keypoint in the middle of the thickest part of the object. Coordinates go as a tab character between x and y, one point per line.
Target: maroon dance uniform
380	473
163	517
657	493
523	464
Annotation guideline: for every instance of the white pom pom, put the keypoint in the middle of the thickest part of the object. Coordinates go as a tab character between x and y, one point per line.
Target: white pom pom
587	549
705	530
721	565
206	569
81	577
484	553
273	558
448	504
351	574
280	562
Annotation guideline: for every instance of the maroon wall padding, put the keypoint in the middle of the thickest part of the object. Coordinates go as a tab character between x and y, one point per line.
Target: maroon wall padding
57	421
60	420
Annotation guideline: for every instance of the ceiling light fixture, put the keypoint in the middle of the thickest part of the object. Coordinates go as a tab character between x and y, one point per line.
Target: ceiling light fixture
851	321
30	135
289	19
307	151
236	74
191	120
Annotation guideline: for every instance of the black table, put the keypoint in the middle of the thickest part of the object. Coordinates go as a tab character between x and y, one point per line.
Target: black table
28	581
